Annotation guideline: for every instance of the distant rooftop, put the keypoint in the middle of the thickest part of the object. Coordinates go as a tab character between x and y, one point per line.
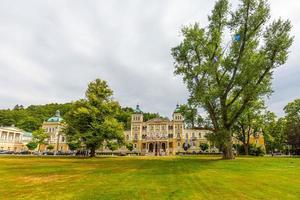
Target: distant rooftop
56	117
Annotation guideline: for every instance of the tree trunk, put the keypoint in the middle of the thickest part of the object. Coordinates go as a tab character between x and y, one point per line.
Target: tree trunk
228	154
93	152
246	148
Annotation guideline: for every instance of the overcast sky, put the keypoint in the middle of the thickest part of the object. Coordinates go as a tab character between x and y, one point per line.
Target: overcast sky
50	50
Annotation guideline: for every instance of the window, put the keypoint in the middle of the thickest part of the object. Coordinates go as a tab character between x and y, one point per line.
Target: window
199	135
186	135
135	136
134	146
127	137
193	135
178	144
63	139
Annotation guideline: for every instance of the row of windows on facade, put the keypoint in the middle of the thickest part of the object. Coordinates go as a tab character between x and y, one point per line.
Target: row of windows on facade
50	129
53	138
136	118
193	144
178	117
5	136
157	128
165	135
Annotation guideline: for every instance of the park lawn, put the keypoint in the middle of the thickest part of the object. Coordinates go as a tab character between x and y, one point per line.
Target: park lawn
149	178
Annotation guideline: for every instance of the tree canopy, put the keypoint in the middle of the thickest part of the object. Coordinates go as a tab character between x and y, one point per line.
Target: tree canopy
226	77
92	120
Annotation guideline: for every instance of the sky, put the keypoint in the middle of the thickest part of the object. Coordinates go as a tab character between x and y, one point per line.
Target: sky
51	50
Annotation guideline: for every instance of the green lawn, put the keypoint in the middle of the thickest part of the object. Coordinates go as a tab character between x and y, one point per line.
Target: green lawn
149	178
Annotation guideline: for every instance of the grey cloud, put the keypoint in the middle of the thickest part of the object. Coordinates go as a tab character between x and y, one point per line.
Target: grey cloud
50	50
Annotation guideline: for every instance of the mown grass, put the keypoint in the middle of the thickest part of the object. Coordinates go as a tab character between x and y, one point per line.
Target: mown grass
149	178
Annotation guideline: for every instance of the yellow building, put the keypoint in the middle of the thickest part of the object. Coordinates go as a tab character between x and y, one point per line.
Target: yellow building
53	127
161	136
13	139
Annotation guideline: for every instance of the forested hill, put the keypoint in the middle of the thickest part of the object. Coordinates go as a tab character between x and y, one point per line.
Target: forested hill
32	117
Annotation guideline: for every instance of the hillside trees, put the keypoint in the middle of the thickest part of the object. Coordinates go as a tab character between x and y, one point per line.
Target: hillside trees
226	77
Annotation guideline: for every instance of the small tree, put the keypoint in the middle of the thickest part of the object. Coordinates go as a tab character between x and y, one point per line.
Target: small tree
50	147
93	120
31	145
204	146
39	136
129	146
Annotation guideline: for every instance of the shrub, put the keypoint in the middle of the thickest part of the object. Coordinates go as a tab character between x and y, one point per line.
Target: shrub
256	151
203	146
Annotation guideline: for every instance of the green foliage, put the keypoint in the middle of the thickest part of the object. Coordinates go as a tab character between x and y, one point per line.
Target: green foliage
256	151
191	117
292	125
31	145
204	146
124	116
112	146
250	123
74	145
129	146
148	116
50	147
226	77
93	120
39	136
32	117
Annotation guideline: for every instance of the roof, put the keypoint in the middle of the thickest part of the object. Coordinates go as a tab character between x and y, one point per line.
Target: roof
27	134
11	128
177	109
56	117
158	119
137	110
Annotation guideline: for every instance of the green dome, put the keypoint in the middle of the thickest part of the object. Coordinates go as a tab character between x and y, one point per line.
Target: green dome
177	110
56	118
137	110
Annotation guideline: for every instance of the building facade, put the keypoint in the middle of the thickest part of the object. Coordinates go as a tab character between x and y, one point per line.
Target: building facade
161	136
53	127
14	139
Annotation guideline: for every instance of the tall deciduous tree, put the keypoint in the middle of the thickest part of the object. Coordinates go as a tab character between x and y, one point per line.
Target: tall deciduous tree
225	78
93	120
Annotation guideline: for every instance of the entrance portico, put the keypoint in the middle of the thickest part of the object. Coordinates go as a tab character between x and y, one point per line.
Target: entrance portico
156	148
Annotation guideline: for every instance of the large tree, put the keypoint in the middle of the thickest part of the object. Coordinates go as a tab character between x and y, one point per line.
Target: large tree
226	77
93	120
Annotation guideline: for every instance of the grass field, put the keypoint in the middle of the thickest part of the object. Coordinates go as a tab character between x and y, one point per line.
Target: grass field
149	178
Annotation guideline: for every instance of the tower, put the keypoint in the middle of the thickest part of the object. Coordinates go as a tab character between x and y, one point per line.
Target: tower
136	127
177	116
137	115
